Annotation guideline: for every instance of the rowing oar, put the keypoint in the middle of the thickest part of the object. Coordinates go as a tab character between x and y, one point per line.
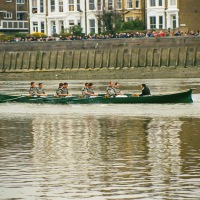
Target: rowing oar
13	99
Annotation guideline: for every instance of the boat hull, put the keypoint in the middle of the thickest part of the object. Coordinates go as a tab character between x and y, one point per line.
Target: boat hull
179	97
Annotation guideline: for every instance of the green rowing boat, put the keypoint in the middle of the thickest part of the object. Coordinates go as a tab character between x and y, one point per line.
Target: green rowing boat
178	97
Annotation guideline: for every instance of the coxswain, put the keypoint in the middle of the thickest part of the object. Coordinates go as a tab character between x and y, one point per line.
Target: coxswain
33	89
90	91
145	90
40	90
111	90
84	89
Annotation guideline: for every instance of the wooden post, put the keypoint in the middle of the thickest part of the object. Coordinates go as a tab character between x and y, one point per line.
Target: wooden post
10	61
22	61
160	58
56	60
138	57
94	62
116	58
186	56
49	60
3	63
145	58
63	60
72	63
130	58
29	60
36	58
41	64
86	60
108	59
101	62
122	63
194	56
168	57
15	63
177	58
79	60
152	58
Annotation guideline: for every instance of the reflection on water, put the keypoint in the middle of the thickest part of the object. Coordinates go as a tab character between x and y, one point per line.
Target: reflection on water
100	152
98	157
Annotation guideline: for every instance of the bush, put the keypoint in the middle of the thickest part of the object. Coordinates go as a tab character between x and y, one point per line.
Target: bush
39	35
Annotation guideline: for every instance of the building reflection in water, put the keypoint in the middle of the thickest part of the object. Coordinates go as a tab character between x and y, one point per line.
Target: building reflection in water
164	148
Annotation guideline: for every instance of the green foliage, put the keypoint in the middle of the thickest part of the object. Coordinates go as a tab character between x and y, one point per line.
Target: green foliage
111	21
133	25
76	30
21	35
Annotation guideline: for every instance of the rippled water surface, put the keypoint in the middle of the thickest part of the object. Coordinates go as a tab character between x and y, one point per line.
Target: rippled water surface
100	152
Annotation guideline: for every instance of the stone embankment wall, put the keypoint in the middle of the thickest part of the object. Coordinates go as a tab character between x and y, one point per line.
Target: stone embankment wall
97	59
113	54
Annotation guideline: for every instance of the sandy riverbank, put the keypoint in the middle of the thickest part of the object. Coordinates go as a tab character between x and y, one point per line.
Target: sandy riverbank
95	74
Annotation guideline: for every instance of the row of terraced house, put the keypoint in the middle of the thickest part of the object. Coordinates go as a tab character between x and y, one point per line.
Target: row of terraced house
53	16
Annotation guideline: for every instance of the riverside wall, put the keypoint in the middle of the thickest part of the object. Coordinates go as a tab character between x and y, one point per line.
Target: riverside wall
97	59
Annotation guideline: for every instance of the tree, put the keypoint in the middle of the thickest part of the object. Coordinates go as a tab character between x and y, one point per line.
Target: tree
133	25
111	21
76	30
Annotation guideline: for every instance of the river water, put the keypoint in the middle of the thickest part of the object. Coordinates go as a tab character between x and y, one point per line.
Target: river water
100	152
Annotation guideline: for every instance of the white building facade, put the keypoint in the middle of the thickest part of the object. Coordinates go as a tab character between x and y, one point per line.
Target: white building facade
54	16
162	14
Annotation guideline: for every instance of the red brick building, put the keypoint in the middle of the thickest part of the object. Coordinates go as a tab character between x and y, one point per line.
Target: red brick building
14	15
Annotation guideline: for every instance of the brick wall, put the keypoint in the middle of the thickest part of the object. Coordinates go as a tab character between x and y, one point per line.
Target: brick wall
190	14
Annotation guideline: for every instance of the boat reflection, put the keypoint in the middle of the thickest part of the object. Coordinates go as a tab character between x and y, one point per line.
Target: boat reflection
164	149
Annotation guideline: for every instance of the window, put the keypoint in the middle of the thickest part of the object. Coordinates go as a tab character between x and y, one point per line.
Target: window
41	6
160	3
20	1
160	22
53	23
53	7
152	3
78	5
35	26
110	4
7	15
71	5
137	3
119	4
42	27
172	2
20	16
174	21
34	6
71	23
152	22
79	22
99	4
129	4
129	19
8	0
60	5
91	5
92	25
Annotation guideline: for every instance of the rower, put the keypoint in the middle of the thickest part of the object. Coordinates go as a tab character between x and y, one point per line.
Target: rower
117	90
33	89
111	90
40	90
90	91
59	90
65	91
84	89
